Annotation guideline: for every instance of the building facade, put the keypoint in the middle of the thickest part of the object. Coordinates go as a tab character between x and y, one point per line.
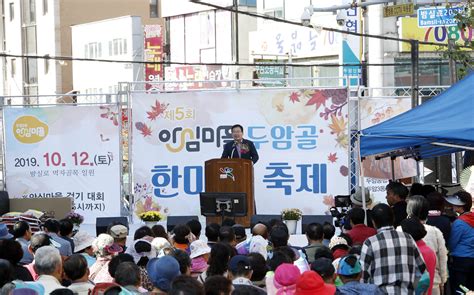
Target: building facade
115	39
43	28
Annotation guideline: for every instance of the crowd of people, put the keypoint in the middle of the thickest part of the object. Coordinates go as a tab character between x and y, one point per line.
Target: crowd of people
421	242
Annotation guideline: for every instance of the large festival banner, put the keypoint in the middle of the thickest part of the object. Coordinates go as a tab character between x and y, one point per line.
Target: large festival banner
65	151
301	136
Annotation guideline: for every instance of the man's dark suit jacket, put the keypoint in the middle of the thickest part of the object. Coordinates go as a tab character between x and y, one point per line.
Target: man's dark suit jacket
230	151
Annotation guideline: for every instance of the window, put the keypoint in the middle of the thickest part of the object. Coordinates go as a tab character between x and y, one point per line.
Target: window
153	8
13	67
28	9
118	47
12	11
93	50
45	7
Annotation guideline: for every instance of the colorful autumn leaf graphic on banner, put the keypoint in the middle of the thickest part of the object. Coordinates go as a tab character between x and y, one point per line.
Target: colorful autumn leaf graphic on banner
295	97
332	157
318	98
338	127
157	110
144	129
333	101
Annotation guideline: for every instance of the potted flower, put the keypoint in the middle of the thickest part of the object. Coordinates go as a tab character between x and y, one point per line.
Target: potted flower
291	216
151	217
76	219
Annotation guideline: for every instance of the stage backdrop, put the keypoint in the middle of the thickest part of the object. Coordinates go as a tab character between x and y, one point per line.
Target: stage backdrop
301	136
69	151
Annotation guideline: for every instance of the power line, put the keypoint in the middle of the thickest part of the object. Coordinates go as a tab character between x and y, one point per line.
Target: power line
70	58
275	19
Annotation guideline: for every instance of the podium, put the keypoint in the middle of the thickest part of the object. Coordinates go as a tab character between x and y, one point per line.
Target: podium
231	176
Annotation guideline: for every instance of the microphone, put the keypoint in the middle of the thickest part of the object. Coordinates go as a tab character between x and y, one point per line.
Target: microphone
233	149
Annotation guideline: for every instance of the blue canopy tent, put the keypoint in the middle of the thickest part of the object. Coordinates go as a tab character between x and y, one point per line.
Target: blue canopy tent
443	125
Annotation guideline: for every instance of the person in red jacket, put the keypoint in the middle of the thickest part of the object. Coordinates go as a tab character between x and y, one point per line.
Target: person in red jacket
415	228
359	232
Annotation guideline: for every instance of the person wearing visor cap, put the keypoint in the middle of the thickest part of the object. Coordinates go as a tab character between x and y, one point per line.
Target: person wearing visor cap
461	245
119	232
460	201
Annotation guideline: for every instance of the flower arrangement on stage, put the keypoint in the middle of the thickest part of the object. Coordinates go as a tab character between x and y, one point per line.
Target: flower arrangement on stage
151	216
145	203
75	218
291	214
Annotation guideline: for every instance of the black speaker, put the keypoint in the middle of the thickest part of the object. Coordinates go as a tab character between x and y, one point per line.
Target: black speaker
321	219
260	218
102	223
4	202
172	221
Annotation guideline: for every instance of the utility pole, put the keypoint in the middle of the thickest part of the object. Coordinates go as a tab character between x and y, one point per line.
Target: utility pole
236	30
453	79
415	74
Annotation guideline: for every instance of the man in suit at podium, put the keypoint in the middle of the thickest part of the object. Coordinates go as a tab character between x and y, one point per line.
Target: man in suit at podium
240	147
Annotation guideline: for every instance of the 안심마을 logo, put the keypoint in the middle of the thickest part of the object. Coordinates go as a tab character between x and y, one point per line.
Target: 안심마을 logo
29	129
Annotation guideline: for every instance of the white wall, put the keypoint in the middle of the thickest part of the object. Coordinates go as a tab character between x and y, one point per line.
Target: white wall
14	84
98	77
47	33
180	7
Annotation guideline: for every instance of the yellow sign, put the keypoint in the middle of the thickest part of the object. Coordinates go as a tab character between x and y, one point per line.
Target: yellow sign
29	129
410	30
399	10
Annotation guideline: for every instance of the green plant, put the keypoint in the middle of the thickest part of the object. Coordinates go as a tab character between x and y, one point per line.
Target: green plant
291	214
151	216
462	53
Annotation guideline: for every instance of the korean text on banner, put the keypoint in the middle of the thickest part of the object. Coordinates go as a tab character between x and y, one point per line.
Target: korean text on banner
410	30
301	136
68	151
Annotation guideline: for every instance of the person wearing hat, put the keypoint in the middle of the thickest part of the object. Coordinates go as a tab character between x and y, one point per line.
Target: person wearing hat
241	272
83	245
461	246
105	249
162	271
162	246
119	232
286	276
350	272
461	202
199	256
323	266
310	283
4	233
357	202
359	232
339	246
